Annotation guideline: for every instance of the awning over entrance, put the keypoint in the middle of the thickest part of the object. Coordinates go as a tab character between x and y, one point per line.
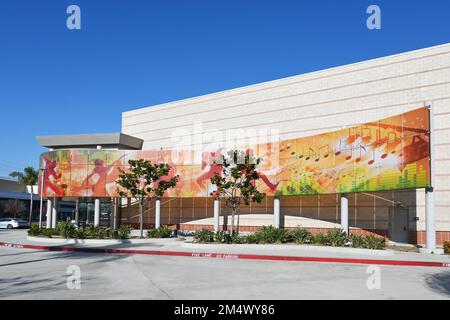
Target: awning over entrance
105	140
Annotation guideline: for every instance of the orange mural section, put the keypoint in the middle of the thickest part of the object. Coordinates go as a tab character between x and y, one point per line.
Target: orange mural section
388	154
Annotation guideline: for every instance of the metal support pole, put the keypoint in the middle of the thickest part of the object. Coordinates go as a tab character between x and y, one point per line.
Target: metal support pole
115	213
41	205
430	205
77	211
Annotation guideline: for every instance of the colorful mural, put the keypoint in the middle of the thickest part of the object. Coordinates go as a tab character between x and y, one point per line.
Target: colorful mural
389	154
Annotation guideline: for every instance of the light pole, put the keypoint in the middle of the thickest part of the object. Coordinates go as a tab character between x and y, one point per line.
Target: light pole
42	194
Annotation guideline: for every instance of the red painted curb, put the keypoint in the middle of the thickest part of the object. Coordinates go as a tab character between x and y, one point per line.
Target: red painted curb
231	256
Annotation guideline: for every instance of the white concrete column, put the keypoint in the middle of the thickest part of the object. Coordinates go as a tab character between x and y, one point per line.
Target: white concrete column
344	212
96	212
55	213
157	213
430	219
216	214
276	213
49	214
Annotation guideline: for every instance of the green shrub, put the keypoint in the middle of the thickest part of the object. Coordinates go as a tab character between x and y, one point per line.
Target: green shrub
204	235
95	233
161	232
114	234
108	232
447	247
337	237
123	232
300	236
153	233
66	229
358	241
320	239
49	233
219	236
374	242
251	239
272	235
80	233
238	239
61	225
34	230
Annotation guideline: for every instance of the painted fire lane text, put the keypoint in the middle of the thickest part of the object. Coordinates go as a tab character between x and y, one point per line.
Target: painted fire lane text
215	255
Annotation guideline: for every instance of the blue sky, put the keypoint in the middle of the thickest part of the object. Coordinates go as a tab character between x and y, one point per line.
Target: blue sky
132	54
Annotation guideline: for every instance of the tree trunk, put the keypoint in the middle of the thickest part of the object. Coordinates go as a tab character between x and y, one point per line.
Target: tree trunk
31	206
238	219
119	213
141	217
225	217
233	211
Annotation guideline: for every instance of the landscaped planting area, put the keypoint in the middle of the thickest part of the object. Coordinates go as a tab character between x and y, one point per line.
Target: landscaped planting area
270	235
266	235
67	230
161	232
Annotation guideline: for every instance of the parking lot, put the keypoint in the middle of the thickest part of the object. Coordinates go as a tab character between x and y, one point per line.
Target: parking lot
31	274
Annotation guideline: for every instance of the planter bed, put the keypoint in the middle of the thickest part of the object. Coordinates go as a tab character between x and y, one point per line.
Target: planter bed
290	246
60	240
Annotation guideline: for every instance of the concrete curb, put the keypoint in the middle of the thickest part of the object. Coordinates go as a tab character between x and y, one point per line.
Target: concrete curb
385	253
231	256
60	241
439	251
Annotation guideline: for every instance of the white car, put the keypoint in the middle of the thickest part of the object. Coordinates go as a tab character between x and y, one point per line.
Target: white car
11	223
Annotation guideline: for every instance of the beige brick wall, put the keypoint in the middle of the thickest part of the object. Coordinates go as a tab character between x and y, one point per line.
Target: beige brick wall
319	102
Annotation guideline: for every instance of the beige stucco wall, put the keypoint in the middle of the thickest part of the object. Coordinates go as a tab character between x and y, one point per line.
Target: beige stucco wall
319	102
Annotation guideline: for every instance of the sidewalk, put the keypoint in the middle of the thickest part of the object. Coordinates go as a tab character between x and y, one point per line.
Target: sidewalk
288	252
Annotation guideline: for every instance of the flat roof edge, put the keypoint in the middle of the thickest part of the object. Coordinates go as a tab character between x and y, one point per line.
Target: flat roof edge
102	139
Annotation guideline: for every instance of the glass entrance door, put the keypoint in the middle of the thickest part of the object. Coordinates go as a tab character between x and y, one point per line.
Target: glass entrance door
87	212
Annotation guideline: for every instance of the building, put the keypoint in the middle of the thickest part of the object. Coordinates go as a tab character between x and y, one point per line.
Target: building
15	200
309	105
84	208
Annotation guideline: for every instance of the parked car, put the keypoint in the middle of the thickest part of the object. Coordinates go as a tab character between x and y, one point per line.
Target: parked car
12	223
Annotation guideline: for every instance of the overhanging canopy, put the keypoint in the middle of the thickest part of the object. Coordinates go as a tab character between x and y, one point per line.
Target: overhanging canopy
106	140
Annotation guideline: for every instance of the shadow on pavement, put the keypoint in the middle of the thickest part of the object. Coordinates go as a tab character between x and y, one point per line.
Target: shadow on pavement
57	255
439	282
40	282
